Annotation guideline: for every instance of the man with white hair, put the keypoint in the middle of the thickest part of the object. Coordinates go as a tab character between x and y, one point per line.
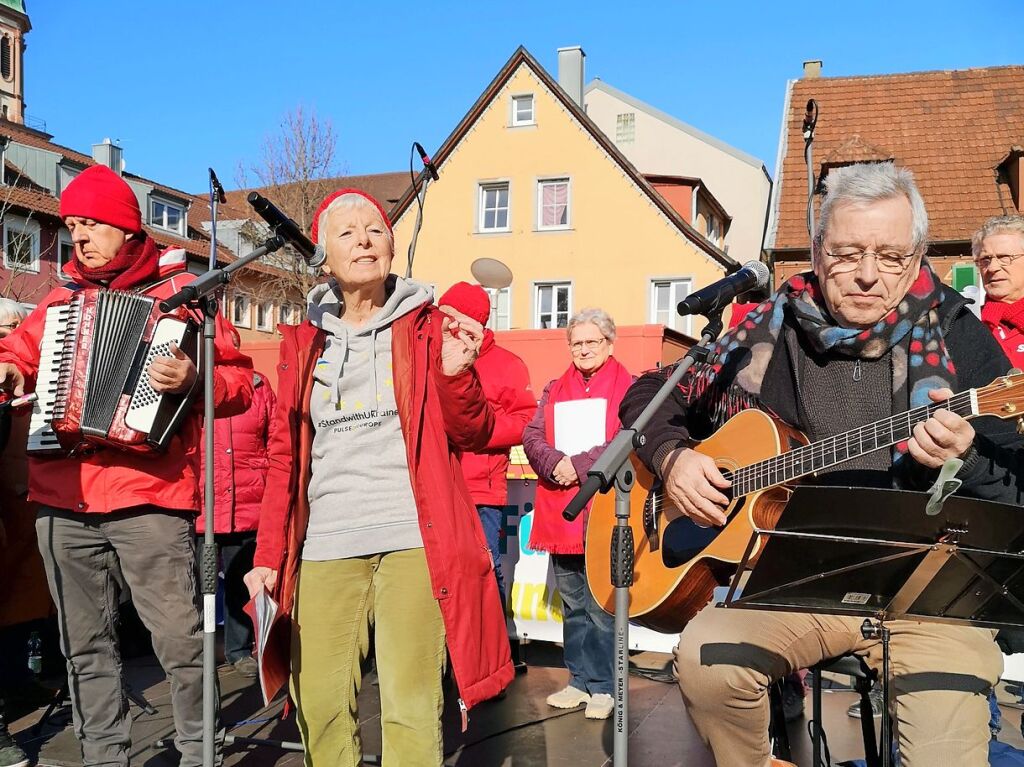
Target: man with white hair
998	250
869	333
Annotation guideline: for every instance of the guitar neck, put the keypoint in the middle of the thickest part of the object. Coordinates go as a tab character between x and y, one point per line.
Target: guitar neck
840	448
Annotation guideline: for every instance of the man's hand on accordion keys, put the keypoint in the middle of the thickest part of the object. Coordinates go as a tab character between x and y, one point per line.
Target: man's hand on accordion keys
11	379
174	374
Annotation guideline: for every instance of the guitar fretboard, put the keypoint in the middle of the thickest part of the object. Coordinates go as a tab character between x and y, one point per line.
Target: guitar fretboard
842	447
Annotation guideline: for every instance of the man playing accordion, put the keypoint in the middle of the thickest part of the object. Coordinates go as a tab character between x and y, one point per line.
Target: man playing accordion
110	517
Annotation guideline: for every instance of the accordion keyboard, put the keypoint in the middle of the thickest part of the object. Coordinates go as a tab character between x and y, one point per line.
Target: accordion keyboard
58	325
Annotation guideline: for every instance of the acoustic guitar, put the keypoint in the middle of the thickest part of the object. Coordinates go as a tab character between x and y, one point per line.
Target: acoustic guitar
678	563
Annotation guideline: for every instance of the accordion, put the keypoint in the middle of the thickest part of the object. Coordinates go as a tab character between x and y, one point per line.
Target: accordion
93	388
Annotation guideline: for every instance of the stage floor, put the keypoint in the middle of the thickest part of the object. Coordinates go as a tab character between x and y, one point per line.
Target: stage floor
518	731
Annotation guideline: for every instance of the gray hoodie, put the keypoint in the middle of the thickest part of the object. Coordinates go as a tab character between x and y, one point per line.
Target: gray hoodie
360	494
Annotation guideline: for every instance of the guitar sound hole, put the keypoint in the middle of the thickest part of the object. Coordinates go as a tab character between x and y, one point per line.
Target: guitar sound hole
683	539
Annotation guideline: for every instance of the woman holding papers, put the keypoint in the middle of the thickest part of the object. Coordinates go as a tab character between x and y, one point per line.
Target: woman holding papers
576	417
366	521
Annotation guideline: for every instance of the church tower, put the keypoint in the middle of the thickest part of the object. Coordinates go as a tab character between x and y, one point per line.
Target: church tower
14	25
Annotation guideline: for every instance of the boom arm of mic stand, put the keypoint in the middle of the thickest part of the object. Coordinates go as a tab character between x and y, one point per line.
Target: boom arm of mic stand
207	283
601	476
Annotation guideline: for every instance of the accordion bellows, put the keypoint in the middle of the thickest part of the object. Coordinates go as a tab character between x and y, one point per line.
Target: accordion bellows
93	388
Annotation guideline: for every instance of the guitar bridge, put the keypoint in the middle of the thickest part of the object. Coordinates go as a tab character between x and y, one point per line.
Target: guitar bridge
651	512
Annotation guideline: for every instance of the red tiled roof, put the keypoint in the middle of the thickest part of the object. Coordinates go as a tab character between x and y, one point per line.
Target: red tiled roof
386	187
951	128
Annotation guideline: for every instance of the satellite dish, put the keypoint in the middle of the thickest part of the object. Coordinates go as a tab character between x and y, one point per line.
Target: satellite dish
491	273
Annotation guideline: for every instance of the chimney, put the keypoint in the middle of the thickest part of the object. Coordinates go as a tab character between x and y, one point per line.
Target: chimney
570	72
109	154
812	69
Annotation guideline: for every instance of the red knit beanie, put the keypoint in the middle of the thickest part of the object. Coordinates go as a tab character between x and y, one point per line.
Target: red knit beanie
335	195
471	300
100	194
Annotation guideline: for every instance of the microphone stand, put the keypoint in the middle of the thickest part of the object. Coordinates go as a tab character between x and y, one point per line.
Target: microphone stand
810	123
419	188
613	468
202	294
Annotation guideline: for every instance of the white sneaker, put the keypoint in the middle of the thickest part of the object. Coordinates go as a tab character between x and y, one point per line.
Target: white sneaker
600	706
570	697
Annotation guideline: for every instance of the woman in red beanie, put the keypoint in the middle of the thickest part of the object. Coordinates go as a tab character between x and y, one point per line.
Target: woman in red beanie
108	514
366	522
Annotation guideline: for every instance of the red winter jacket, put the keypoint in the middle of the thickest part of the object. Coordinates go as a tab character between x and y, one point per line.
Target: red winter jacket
439	415
506	383
240	463
111	479
1006	321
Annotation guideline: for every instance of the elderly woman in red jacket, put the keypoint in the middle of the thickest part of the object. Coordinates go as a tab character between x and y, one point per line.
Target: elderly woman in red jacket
366	521
588	631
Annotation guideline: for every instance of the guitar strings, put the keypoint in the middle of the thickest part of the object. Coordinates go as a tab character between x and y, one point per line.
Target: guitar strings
746	479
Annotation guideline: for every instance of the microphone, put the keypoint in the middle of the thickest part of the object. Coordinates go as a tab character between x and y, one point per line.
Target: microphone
427	162
215	182
716	296
285	227
810	118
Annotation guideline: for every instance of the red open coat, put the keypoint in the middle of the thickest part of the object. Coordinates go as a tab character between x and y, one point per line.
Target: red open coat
440	415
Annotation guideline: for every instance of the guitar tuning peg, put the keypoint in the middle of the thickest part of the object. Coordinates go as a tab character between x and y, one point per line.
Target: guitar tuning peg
1014	372
1020	425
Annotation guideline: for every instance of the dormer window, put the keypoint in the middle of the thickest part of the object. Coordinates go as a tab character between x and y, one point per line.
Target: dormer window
167	215
522	110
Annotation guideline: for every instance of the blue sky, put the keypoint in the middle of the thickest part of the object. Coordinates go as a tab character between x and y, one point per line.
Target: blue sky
195	83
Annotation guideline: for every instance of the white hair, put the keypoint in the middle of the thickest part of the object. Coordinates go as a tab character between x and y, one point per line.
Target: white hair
870	182
598	317
10	308
350	200
1011	224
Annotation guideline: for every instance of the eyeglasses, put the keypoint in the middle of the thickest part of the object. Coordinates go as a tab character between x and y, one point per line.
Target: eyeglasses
590	344
1002	259
889	262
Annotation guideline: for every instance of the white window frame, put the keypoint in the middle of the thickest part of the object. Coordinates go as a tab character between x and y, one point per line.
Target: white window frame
541	182
247	321
682	324
493	319
514	120
154	201
269	315
620	133
713	226
555	285
482	188
26	228
288	307
63	238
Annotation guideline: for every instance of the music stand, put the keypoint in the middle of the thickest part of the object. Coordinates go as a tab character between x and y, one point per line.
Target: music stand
876	553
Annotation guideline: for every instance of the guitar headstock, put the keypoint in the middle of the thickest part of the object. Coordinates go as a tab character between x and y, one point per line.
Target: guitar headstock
1004	397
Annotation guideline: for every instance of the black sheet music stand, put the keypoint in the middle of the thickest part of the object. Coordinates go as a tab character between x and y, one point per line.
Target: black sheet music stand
878	554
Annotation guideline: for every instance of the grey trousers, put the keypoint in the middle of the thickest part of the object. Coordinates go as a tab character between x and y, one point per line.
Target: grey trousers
87	557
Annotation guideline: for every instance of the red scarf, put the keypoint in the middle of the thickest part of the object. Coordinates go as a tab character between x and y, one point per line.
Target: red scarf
137	263
550	532
996	313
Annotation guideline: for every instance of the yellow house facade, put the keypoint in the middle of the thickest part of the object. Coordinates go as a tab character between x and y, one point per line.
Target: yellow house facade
528	179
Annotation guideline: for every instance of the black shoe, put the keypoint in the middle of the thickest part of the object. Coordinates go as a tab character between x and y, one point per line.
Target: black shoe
877	704
246	667
10	754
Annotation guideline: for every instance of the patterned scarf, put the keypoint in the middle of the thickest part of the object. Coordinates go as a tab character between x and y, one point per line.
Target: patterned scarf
910	331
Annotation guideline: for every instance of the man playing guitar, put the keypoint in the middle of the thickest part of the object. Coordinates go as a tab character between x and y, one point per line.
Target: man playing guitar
869	333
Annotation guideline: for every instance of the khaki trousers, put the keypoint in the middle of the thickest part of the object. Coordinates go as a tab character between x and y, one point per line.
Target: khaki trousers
726	658
336	603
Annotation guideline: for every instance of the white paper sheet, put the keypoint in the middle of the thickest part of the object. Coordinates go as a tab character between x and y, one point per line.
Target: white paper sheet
580	424
266	611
